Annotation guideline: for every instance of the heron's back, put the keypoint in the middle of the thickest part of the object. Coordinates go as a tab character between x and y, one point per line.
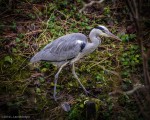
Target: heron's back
62	49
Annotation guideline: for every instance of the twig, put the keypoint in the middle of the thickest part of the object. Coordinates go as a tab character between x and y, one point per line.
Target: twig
97	63
34	32
90	4
110	71
135	88
13	35
130	92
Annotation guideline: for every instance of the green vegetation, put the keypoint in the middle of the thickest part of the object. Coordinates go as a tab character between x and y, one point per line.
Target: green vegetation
28	90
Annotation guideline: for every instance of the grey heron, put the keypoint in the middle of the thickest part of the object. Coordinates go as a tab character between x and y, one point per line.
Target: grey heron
70	48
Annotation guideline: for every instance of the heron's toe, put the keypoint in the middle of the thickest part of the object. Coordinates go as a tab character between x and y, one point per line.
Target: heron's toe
87	92
55	98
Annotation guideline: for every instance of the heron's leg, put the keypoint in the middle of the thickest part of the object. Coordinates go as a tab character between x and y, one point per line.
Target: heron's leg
56	78
74	73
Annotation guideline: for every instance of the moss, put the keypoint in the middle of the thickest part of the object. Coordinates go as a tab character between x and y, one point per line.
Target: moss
14	74
16	70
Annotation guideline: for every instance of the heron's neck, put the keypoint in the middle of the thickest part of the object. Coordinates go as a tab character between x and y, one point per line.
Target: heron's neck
93	44
94	37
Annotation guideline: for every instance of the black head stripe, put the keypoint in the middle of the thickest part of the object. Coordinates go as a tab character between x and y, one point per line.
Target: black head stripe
100	28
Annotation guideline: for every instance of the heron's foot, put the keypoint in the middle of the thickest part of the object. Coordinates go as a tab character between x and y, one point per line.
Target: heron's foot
86	92
56	98
89	93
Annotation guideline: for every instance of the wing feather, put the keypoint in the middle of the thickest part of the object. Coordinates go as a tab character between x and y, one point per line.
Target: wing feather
61	49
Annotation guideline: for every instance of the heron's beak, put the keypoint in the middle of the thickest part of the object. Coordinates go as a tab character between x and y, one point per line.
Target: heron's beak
113	36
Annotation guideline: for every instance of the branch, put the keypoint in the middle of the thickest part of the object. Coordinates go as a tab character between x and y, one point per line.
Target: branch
33	32
130	92
135	88
89	4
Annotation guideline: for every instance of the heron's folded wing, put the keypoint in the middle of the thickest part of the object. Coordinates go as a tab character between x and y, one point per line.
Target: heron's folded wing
63	48
63	51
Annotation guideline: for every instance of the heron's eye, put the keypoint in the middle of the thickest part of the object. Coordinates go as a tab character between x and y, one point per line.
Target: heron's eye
103	31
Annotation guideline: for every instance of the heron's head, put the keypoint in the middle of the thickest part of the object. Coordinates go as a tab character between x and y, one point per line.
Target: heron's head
103	31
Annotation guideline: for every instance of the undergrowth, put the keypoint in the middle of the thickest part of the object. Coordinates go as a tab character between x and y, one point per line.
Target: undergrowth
28	90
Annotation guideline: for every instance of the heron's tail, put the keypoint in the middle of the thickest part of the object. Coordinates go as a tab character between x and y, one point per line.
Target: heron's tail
37	57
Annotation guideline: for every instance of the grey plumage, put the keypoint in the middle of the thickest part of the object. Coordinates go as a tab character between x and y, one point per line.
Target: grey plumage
70	48
62	49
